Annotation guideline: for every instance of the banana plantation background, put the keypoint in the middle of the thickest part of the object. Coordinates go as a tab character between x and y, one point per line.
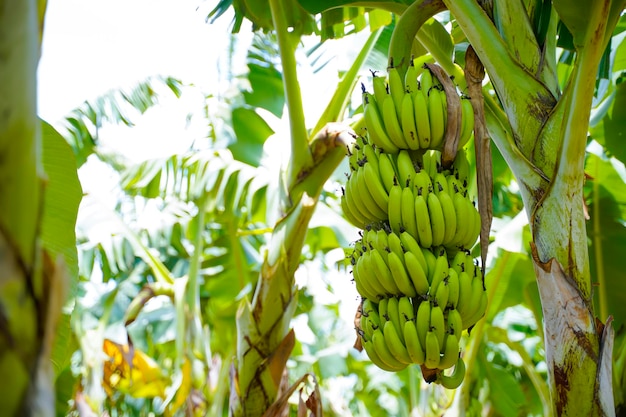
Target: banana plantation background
161	282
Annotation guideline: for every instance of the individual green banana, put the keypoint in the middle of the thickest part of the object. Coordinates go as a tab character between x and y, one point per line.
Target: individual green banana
377	360
394	210
395	245
384	274
382	245
392	123
449	217
366	278
371	155
410	244
370	275
434	164
424	230
461	209
355	204
382	311
478	311
362	286
393	311
454	186
395	343
407	117
375	187
363	326
422	320
416	272
368	238
406	168
453	288
472	268
412	343
461	166
454	322
458	262
444	106
440	271
426	80
422	121
369	308
409	219
364	190
378	340
455	379
438	323
473	306
406	309
440	183
465	293
431	349
410	78
467	122
450	351
475	231
380	88
422	182
442	294
431	261
436	118
355	218
353	157
437	223
376	129
400	275
370	320
420	62
396	86
473	226
387	172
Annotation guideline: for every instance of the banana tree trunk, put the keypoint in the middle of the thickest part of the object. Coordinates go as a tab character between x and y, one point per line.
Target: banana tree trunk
26	273
542	134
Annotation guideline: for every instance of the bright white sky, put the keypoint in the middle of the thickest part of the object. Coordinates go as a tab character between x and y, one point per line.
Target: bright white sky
91	46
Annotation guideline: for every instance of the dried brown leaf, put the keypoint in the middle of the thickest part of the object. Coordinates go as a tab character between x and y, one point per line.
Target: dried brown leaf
357	325
278	359
474	74
453	128
312	403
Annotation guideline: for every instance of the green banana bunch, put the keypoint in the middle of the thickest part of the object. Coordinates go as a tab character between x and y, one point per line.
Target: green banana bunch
420	288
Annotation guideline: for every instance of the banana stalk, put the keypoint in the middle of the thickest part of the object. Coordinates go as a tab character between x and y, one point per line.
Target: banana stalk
264	341
407	27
